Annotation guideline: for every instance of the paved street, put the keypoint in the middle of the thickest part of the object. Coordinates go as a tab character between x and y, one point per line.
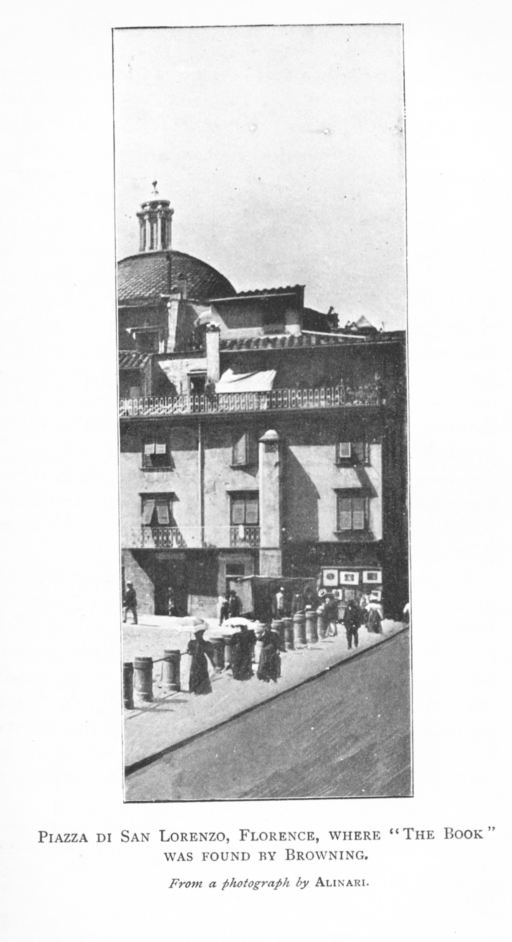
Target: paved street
345	734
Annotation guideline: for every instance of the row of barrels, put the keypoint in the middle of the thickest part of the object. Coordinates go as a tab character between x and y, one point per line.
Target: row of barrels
299	631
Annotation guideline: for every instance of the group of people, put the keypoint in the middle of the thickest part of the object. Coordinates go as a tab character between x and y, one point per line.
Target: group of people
242	645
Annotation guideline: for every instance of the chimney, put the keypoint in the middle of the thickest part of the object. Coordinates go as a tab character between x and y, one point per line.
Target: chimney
212	353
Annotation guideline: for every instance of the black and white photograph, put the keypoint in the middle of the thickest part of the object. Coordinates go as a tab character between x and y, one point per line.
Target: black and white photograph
260	180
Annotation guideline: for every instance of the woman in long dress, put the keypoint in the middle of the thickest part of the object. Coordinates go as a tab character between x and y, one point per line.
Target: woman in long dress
242	647
200	650
269	667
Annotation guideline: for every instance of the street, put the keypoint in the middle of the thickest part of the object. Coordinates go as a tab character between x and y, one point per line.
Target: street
345	734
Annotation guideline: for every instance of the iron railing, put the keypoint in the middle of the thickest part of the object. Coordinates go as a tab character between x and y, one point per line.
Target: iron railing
149	537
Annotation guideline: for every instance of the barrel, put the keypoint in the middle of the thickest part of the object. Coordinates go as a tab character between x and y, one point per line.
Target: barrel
128	685
321	623
171	670
288	634
299	630
218	653
311	632
143	678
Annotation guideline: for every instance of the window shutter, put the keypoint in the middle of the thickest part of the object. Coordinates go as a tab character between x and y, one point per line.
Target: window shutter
251	510
344	450
358	515
240	450
237	510
358	450
162	513
344	513
148	508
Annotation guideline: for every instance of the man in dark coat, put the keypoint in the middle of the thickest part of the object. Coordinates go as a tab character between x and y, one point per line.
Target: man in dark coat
234	605
130	602
352	622
331	615
224	609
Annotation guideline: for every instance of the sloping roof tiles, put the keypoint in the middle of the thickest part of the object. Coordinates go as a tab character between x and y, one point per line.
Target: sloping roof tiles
132	360
150	274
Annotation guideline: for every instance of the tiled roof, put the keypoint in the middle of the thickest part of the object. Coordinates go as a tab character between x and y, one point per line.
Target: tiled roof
294	342
150	274
282	341
132	360
257	292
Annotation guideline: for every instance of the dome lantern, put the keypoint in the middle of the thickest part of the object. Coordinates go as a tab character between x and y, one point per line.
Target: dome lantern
155	221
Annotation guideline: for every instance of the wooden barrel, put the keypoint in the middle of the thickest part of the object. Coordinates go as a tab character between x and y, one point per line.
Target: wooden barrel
299	630
143	678
171	670
311	632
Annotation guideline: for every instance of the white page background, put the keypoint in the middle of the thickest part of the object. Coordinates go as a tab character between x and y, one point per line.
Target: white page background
60	684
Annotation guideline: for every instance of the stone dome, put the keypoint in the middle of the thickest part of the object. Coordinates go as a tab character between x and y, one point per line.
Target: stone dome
151	274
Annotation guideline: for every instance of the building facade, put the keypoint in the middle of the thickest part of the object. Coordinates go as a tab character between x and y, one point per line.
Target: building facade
258	437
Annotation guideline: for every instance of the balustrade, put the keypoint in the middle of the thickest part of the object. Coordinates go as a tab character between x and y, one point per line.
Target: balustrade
325	397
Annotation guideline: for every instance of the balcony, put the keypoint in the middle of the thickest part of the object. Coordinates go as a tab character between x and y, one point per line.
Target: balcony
147	537
323	397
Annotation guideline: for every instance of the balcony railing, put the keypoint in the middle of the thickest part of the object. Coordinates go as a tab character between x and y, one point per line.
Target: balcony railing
148	537
324	397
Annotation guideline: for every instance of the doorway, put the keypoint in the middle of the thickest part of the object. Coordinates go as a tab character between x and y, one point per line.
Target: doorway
170	573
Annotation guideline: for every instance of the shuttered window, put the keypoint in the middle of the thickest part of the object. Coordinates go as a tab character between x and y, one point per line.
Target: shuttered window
157	511
156	452
244	451
245	509
352	453
352	513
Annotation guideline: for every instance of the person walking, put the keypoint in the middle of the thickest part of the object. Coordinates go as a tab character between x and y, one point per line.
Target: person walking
171	601
234	605
279	604
242	647
352	622
331	615
374	621
224	609
199	677
130	602
269	666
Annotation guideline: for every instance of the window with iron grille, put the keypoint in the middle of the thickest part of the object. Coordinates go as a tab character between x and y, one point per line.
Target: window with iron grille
352	453
244	450
245	509
156	452
157	510
352	513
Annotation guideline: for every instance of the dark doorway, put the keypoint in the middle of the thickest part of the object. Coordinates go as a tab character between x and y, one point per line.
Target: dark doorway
170	573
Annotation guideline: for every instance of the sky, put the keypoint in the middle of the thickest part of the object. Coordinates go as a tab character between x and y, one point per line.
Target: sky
282	151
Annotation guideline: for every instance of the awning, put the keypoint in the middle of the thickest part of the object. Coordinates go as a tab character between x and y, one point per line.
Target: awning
261	381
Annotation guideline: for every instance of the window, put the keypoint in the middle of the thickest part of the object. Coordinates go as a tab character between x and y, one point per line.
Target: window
147	341
352	453
352	513
156	453
244	451
245	509
197	383
157	510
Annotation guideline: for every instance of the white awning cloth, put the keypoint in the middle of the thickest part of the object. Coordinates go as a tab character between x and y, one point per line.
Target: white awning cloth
246	382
